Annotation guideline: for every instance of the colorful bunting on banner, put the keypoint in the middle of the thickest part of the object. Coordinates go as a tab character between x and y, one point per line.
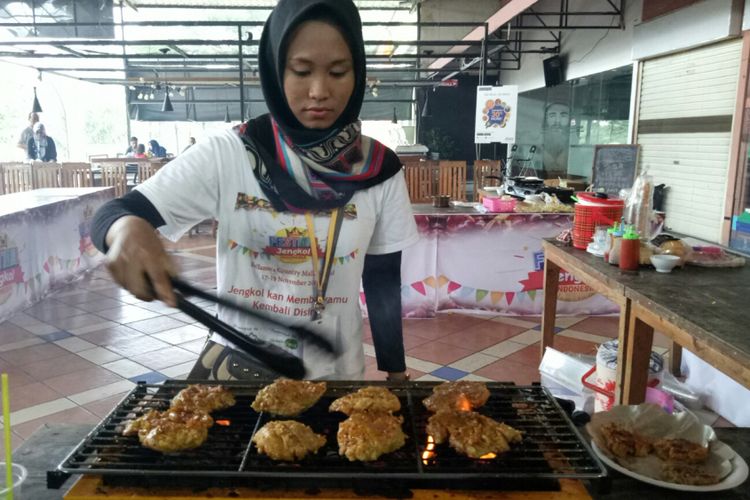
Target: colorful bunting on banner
232	244
532	294
429	281
481	294
453	286
442	280
509	297
419	286
496	297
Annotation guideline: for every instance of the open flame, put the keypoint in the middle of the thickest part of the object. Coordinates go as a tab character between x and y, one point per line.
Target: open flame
224	423
463	403
488	456
429	452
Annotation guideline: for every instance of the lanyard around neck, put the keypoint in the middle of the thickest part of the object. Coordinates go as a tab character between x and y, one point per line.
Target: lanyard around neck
320	282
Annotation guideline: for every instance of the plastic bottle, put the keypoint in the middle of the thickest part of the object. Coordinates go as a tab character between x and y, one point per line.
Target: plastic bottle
614	251
630	247
608	242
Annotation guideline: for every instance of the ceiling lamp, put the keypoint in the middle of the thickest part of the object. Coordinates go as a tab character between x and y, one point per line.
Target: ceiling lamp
167	104
36	107
395	118
426	108
226	116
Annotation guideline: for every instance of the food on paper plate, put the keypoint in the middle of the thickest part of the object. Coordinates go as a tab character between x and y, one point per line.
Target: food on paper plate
287	440
365	436
471	433
170	431
462	395
687	474
680	450
371	398
623	443
288	397
203	398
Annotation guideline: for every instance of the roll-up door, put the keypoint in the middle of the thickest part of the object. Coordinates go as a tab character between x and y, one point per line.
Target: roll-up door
686	105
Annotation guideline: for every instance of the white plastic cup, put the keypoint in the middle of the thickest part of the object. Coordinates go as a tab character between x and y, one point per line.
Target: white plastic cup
19	477
606	372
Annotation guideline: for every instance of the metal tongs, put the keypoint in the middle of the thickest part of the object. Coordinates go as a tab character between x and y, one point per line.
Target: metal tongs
274	357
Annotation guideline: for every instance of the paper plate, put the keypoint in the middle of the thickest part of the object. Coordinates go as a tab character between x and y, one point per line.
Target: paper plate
732	480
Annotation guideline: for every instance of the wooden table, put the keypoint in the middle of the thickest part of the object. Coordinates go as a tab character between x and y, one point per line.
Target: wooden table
703	309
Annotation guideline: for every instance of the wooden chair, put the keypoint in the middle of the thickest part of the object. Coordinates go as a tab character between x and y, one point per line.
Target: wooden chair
76	175
115	174
16	177
146	170
45	175
483	168
452	179
420	179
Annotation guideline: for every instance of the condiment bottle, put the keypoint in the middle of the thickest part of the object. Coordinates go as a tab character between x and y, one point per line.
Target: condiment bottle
630	247
608	241
614	251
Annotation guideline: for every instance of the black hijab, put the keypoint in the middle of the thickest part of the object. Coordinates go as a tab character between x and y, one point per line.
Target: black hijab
285	18
258	134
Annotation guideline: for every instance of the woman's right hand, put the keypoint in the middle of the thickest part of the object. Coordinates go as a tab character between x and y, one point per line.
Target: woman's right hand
138	262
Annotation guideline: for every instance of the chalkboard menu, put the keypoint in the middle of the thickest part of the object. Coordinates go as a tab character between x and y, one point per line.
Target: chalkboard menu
614	167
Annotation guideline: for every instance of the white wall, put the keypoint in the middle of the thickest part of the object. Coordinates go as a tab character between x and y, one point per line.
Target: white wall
698	24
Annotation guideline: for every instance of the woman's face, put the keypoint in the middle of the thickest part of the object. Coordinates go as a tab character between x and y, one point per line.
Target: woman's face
319	74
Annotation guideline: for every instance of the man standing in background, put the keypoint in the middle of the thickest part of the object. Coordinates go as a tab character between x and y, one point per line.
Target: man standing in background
27	133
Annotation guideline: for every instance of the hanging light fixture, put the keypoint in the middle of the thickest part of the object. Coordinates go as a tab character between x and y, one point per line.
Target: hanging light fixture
36	108
167	104
426	108
226	116
395	118
248	114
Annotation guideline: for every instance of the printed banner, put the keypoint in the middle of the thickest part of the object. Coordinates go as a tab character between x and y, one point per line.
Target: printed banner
44	245
496	114
488	262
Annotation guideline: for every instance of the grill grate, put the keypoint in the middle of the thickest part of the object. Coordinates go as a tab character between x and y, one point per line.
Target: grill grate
552	448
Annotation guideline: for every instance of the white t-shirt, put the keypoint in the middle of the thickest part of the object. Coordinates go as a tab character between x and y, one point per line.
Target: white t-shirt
263	256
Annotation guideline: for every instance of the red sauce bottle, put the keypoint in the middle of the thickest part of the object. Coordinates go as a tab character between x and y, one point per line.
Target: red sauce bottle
630	248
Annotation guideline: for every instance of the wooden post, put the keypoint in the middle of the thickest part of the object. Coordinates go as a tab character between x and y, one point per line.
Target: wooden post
637	354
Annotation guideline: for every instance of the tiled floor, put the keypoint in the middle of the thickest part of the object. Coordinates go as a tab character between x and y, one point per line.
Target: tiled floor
73	356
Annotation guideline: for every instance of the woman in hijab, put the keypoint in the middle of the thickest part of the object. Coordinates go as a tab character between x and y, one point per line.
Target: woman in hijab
156	150
307	207
40	146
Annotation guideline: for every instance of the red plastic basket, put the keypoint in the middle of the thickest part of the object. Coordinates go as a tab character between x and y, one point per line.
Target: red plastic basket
591	212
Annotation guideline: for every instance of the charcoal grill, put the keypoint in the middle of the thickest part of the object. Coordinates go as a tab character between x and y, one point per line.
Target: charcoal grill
552	448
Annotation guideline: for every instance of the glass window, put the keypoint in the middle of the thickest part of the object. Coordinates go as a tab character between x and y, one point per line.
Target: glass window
559	126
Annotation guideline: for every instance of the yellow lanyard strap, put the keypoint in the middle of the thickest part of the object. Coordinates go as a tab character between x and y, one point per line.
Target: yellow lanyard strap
320	284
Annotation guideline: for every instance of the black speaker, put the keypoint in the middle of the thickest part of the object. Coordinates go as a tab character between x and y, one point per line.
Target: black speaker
553	71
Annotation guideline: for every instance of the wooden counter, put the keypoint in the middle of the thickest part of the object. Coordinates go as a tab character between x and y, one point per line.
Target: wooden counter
703	309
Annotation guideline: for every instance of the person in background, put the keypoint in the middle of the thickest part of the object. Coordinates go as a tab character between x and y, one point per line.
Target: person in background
27	133
191	142
133	148
155	150
41	147
300	190
140	151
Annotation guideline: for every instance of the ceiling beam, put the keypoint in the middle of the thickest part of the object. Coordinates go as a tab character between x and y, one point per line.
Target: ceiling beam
493	23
